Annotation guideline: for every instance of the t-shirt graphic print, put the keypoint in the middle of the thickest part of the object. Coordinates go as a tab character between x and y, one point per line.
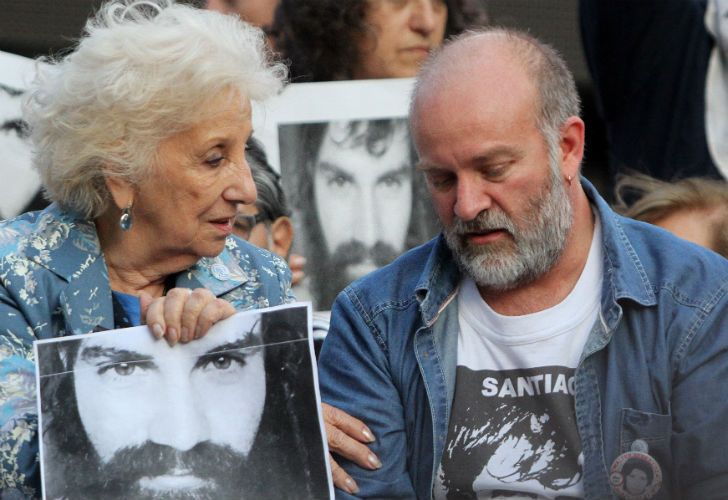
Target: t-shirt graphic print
512	434
512	429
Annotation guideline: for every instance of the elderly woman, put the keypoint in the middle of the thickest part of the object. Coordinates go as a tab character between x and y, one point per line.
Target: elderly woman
140	140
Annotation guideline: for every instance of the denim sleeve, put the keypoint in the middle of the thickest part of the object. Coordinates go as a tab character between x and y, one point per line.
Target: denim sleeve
18	411
700	404
354	373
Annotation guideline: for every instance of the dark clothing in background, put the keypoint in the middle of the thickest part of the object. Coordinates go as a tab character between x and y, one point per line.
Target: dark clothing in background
648	59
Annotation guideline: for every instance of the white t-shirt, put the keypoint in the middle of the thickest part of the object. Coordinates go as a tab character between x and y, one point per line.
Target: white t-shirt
512	430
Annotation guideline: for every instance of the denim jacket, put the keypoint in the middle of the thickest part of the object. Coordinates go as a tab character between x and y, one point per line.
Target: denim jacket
54	282
654	367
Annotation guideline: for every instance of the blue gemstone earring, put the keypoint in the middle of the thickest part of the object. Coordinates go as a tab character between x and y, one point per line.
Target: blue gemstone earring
125	221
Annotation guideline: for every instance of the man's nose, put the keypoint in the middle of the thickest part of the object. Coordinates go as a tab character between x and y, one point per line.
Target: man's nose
179	422
471	200
423	18
369	224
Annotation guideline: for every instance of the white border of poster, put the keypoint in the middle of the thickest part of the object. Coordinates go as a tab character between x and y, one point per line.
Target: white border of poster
16	71
329	101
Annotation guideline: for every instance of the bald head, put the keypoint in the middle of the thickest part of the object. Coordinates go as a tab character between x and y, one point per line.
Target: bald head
491	63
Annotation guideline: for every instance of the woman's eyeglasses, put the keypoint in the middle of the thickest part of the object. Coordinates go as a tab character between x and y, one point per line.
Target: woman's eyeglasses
246	223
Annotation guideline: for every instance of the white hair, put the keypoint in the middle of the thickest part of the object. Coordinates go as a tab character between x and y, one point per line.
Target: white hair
143	71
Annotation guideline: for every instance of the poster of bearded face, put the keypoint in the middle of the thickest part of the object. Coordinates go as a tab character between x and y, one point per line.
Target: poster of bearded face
348	167
235	414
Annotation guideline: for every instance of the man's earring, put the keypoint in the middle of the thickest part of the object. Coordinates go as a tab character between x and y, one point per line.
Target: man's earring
125	221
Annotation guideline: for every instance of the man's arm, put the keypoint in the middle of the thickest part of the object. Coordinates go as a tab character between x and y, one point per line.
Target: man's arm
354	374
700	406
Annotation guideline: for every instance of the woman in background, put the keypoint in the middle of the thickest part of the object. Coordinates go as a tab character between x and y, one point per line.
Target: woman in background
361	39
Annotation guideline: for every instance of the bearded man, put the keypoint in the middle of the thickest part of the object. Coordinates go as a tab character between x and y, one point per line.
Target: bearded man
542	340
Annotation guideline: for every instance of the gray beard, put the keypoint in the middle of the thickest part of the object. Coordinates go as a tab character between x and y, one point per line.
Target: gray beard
531	251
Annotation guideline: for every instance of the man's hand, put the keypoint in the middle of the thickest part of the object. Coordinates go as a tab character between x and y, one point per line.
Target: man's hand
346	436
183	314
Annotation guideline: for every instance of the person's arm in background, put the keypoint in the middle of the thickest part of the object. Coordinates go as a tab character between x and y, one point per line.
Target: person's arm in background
354	377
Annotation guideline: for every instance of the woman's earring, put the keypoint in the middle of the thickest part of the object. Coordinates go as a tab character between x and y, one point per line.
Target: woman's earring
125	221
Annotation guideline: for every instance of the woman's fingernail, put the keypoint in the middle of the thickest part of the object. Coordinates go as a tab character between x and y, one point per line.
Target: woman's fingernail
157	330
351	486
368	435
172	335
184	334
376	463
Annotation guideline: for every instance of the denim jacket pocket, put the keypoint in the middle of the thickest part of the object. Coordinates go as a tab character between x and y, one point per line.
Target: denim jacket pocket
641	428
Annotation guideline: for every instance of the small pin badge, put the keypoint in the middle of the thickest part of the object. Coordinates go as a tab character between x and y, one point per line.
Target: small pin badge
220	272
635	475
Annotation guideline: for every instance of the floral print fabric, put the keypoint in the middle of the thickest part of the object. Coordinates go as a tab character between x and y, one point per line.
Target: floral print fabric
54	282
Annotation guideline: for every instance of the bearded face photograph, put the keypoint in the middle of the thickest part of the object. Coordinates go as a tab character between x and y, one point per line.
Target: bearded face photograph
358	197
231	415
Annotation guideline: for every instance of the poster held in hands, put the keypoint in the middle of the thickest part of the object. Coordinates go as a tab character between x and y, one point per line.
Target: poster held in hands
235	414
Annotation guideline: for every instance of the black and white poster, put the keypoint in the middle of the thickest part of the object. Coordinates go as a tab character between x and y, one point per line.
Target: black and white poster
233	415
347	165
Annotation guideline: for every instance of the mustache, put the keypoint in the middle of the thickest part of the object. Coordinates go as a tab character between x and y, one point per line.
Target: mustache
356	252
487	220
206	460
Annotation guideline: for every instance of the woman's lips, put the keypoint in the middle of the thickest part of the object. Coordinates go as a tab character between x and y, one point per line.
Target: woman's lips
223	225
418	49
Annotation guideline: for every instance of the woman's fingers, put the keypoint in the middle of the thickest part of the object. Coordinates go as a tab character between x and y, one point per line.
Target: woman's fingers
197	301
174	305
346	435
213	312
183	314
153	314
342	480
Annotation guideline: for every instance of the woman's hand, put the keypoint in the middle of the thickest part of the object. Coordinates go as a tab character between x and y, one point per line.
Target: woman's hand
346	435
183	314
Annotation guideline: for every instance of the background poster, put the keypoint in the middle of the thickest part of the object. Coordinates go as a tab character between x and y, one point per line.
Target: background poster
17	196
235	414
348	169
